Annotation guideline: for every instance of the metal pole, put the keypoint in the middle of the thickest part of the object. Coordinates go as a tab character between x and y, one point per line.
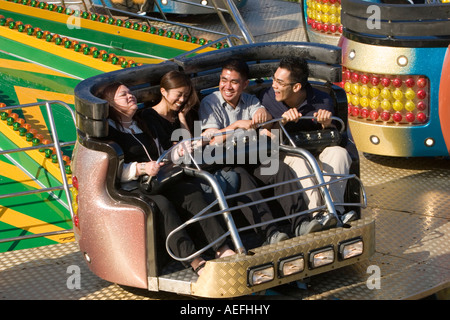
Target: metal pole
59	156
223	205
236	15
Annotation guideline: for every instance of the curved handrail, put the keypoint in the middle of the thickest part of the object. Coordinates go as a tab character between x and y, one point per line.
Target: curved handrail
57	145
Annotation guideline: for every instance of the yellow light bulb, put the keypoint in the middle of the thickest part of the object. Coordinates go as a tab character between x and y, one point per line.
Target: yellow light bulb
385	104
409	105
333	9
374	92
355	100
410	94
347	87
364	90
397	94
355	88
333	19
374	103
385	93
364	102
397	105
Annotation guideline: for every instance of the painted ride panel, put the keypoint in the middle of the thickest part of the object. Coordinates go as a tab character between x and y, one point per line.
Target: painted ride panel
392	77
391	70
444	99
46	50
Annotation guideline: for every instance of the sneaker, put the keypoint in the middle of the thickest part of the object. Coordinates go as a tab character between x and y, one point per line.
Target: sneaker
328	221
306	227
349	216
276	237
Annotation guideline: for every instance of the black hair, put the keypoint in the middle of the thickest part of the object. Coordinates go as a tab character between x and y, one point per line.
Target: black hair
298	68
239	66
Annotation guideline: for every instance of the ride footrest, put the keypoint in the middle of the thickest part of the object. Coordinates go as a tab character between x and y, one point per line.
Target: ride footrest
269	266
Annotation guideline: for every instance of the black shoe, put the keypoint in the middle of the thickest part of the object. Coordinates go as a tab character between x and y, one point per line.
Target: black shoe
328	221
276	237
349	216
306	227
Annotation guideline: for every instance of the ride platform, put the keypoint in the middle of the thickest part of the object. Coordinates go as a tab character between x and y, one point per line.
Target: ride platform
407	197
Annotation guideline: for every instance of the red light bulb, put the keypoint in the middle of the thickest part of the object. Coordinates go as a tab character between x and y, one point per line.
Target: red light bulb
374	115
421	94
421	82
365	79
421	106
347	75
75	182
355	77
385	82
409	82
364	113
410	117
397	82
355	111
397	117
375	81
421	117
385	116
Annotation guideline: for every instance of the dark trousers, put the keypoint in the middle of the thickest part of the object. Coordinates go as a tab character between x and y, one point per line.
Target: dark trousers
251	177
188	199
168	219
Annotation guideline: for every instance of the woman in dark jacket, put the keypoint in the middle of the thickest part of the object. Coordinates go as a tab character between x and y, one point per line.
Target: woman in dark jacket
141	151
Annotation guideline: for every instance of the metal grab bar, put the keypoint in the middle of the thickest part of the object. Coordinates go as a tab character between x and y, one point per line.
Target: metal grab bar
166	152
341	130
239	247
57	145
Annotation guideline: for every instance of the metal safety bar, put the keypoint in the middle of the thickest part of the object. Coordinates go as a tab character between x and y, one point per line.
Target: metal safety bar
233	231
222	200
225	212
57	145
